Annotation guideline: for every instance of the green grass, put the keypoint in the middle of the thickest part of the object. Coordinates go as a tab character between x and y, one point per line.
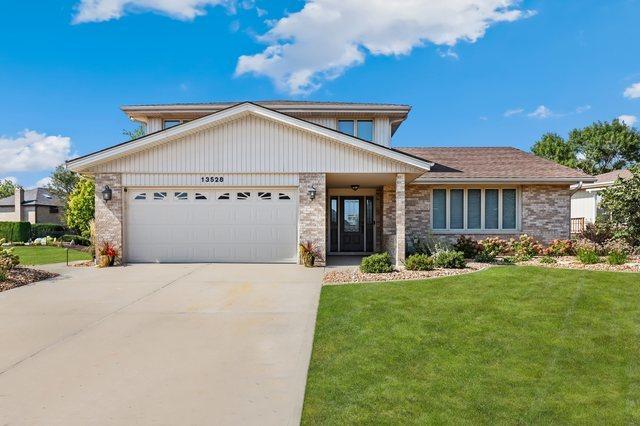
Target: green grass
509	345
40	255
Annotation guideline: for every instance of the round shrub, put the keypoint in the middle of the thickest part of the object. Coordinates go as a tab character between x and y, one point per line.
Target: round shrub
588	256
449	259
548	259
419	262
378	263
560	248
468	246
525	247
494	246
617	258
485	257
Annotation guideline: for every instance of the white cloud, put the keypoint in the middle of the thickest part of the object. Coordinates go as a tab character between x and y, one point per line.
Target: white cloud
32	151
512	112
325	38
11	179
105	10
629	120
583	108
541	112
633	91
42	183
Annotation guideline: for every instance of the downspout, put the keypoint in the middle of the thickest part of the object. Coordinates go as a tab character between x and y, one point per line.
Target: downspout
578	188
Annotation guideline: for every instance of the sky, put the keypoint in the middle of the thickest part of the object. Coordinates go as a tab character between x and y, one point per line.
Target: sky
476	72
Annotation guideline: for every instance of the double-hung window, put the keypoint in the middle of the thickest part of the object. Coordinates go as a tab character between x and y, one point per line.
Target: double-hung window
474	209
362	129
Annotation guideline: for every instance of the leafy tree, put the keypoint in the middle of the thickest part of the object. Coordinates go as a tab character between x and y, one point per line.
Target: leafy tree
598	148
622	204
7	188
81	206
553	147
63	181
136	133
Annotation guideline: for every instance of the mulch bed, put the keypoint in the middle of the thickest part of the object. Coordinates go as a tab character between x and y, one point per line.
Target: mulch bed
353	275
571	262
20	276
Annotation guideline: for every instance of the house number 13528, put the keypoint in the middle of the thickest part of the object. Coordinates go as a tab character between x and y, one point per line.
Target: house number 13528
212	179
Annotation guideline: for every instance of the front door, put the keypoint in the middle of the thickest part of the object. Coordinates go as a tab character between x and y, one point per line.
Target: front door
352	226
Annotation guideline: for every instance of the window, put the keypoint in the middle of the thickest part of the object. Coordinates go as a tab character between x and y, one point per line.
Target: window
282	196
54	209
159	195
180	196
264	195
362	129
141	196
243	195
475	209
170	123
224	196
200	196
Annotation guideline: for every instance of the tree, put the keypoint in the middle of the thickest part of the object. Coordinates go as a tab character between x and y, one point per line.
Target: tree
553	147
63	181
599	148
136	133
81	206
622	203
7	188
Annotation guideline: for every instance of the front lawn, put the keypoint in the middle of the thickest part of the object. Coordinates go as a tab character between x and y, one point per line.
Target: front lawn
40	255
507	345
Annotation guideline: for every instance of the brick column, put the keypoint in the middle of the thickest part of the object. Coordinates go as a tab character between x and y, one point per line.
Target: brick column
109	214
312	218
400	220
389	220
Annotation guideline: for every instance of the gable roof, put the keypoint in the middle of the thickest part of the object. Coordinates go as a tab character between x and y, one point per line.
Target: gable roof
608	179
493	164
172	133
33	197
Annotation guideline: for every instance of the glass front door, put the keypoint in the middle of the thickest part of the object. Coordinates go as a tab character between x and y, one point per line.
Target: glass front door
351	224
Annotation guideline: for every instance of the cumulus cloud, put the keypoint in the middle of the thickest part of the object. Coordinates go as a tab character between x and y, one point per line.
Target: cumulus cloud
633	91
541	112
43	183
325	38
583	108
512	112
629	120
32	151
105	10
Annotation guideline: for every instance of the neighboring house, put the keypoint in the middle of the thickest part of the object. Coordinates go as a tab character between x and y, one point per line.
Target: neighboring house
585	202
31	205
248	182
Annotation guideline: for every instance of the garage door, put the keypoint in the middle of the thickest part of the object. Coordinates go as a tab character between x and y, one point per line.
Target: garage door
230	225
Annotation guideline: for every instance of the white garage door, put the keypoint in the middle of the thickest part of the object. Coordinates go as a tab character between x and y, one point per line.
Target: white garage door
193	225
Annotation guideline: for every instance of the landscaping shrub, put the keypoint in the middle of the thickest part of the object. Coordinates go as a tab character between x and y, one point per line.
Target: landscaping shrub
40	230
15	231
588	256
560	248
619	246
419	246
525	248
585	244
449	259
81	241
599	232
468	246
8	260
617	258
494	246
548	259
419	262
508	260
485	257
376	263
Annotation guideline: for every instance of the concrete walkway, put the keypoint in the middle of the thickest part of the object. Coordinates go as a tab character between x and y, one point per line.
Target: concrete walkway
159	344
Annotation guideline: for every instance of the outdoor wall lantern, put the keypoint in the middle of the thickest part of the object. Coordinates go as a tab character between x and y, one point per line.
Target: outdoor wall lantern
106	193
355	187
312	192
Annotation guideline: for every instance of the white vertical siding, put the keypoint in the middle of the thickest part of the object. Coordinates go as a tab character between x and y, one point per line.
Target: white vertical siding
382	131
329	122
253	144
583	204
154	124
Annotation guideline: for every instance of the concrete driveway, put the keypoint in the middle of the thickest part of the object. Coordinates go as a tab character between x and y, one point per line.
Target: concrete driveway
159	344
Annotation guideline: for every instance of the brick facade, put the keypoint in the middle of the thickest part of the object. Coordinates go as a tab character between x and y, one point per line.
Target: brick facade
394	219
400	219
109	214
312	219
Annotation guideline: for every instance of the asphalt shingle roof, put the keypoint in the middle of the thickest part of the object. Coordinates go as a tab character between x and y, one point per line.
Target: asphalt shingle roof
33	197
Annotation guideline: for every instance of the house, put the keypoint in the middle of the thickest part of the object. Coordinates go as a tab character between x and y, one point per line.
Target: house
585	201
32	205
248	182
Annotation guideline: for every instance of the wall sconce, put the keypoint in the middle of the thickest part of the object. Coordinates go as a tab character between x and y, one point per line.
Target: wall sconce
106	193
355	187
312	192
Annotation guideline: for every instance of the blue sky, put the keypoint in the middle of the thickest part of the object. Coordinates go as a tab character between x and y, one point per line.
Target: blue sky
66	66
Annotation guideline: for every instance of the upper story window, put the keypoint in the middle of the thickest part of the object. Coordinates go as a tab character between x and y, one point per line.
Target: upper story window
362	129
470	209
171	123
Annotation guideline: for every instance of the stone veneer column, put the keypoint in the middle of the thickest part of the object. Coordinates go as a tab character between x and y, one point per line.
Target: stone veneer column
400	219
389	220
109	214
312	218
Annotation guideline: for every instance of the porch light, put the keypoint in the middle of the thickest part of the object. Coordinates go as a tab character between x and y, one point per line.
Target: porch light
312	192
106	193
355	187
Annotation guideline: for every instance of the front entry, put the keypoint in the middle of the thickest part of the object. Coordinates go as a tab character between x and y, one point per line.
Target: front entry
352	224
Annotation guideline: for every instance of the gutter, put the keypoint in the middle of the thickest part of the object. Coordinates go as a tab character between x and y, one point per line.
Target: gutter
576	189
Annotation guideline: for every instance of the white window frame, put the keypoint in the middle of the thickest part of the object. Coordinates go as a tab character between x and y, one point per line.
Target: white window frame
355	126
482	229
179	120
